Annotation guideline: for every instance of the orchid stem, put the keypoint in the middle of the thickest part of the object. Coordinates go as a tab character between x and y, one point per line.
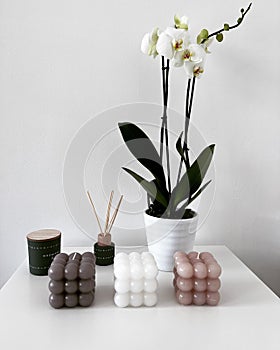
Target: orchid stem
164	128
188	110
240	20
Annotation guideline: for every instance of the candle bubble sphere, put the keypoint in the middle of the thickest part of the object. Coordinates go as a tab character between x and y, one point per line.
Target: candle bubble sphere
200	270
184	298
122	286
71	271
150	299
56	300
137	286
136	299
71	300
199	298
56	272
122	300
214	270
150	271
184	284
122	271
150	285
185	270
136	270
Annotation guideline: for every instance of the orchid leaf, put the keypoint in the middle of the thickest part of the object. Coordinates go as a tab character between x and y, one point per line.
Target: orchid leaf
180	149
193	177
199	191
182	211
198	169
181	192
179	145
140	145
150	187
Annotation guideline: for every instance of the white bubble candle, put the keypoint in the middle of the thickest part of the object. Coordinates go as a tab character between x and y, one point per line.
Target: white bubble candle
135	279
196	278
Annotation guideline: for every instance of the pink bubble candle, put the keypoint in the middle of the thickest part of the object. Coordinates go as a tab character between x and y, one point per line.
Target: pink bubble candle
196	278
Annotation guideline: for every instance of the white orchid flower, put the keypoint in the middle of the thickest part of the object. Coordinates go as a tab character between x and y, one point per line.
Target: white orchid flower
149	42
172	40
193	53
194	66
207	43
194	69
181	22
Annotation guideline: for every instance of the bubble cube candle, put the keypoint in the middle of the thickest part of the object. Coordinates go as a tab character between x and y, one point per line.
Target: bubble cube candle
72	280
135	279
196	278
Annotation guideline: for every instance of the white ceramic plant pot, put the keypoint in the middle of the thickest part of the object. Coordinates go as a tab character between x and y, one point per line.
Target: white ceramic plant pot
166	236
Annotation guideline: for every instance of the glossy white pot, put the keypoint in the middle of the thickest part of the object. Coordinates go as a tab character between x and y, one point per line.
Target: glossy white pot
166	236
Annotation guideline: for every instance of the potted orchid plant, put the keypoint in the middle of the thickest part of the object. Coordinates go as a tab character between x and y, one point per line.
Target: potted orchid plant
170	222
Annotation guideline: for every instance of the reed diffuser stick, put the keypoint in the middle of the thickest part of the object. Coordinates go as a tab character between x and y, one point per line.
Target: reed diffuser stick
108	213
92	205
115	215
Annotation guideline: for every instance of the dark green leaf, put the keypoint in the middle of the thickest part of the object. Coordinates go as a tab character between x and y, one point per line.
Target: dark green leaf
179	145
226	26
144	151
198	169
184	213
150	187
181	192
181	150
199	191
183	209
192	179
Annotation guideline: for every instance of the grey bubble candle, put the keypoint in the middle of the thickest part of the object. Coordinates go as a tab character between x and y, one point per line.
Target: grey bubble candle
72	280
196	278
135	279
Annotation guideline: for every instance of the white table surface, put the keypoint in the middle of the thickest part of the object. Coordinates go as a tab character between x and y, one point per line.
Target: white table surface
248	316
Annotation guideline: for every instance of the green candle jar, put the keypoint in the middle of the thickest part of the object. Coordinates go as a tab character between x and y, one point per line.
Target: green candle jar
43	245
104	254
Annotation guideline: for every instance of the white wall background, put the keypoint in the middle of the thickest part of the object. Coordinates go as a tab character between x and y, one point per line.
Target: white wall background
62	62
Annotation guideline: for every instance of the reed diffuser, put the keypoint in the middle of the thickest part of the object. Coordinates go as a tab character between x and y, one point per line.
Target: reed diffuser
104	248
